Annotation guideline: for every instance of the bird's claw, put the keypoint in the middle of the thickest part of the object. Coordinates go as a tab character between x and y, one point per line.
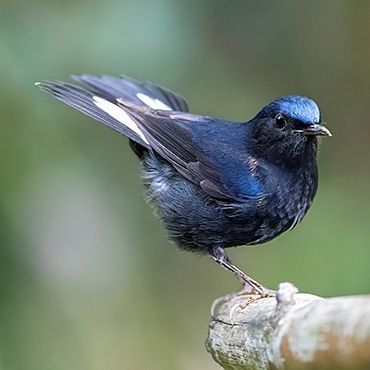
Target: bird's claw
257	289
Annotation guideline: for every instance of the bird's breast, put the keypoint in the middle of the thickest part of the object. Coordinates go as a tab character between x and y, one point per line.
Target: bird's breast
292	197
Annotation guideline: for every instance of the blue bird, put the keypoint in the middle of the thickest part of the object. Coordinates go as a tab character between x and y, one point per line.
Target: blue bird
214	184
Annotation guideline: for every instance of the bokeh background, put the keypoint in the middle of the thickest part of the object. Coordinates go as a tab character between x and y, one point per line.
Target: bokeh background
87	277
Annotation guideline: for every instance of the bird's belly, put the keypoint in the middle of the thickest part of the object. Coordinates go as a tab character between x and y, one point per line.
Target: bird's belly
283	213
191	219
268	218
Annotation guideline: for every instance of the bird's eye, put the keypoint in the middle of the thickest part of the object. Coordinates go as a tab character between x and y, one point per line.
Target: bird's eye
280	121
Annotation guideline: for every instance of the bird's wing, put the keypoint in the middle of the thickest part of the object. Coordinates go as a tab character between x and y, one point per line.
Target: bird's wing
135	110
171	135
97	97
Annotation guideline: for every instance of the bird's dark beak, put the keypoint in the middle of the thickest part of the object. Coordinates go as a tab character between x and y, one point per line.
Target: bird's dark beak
317	130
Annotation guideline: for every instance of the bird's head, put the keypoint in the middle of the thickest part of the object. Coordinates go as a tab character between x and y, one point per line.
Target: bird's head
286	130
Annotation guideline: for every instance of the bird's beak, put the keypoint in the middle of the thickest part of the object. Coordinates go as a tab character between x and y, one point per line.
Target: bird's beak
317	130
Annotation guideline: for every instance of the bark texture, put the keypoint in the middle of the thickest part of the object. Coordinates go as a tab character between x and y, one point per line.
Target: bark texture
292	331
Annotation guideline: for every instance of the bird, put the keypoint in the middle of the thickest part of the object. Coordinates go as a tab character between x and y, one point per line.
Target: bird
213	183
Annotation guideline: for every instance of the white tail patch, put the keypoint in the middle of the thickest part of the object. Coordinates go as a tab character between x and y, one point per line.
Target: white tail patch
152	103
119	114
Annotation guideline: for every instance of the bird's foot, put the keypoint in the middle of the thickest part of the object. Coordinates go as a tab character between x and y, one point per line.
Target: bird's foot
261	291
248	295
251	286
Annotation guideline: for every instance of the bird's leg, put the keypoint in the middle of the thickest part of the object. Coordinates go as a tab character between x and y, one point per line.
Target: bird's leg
220	256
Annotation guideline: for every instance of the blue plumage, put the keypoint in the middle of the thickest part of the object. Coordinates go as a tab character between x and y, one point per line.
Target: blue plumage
295	106
214	184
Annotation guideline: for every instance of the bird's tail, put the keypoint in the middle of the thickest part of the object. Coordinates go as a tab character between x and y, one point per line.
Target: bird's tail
98	97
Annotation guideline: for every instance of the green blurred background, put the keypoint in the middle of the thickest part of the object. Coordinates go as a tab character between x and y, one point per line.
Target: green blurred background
87	277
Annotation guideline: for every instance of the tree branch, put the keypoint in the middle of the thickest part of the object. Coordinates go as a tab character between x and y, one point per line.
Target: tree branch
292	331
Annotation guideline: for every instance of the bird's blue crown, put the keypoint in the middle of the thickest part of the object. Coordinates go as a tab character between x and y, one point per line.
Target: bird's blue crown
295	107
